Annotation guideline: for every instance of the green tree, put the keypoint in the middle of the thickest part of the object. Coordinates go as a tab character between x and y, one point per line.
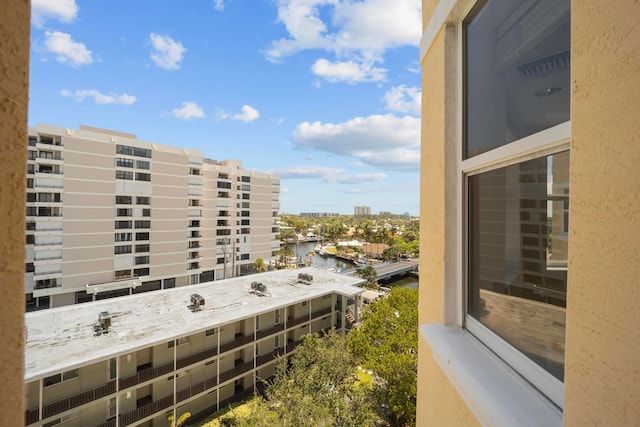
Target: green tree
284	253
317	388
260	266
370	275
387	344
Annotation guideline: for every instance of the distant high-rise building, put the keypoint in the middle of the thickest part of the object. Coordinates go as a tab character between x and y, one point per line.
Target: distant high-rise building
110	215
362	210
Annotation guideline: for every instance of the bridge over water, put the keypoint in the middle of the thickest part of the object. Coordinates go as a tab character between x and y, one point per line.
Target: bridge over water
387	270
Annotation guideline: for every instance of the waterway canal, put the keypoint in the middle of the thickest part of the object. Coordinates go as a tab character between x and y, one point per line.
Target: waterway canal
305	251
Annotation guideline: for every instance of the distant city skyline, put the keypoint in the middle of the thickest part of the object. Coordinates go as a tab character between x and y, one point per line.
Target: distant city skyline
309	90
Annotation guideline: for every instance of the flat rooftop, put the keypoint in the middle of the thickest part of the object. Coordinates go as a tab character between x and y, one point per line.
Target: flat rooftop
63	338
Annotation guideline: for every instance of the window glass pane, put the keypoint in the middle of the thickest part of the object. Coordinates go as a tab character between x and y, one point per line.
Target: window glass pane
518	256
517	71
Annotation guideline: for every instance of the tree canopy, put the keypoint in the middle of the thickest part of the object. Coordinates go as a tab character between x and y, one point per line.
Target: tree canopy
317	388
319	385
387	344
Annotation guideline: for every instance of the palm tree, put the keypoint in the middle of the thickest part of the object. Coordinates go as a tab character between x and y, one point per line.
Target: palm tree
260	266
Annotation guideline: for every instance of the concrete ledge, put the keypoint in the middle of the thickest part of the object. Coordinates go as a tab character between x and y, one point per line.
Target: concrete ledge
495	394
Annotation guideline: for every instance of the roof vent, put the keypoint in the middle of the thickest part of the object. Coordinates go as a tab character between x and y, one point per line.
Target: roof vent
103	324
197	302
305	278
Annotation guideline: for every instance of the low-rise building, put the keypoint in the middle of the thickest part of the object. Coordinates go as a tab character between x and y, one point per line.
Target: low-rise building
135	360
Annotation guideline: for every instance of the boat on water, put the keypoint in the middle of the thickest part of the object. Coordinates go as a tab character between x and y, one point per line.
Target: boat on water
361	262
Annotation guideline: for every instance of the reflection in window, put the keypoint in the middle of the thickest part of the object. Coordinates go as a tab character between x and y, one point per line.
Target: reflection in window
517	71
518	253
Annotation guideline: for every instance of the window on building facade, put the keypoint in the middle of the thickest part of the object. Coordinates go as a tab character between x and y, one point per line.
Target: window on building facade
124	163
143	200
64	376
133	151
142	236
122	237
128	175
143	164
122	274
121	225
125	249
143	176
144	259
123	200
143	224
516	168
143	248
140	272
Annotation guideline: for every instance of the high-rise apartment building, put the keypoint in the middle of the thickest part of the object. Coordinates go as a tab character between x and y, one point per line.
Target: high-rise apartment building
110	215
361	210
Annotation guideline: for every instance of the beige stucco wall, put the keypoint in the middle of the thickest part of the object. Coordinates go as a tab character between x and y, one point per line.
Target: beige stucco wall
602	380
602	383
439	404
14	92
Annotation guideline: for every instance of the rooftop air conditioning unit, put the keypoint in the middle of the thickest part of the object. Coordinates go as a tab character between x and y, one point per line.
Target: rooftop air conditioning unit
105	320
197	302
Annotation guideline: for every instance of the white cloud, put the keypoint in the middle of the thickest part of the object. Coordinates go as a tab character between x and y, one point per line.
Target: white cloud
67	50
404	99
188	111
385	141
348	71
167	52
248	114
360	178
306	172
99	98
327	175
60	10
218	5
357	32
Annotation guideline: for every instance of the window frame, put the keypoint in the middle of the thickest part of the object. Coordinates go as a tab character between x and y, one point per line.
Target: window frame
549	141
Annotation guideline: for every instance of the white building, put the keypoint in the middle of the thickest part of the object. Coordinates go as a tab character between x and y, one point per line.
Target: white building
136	359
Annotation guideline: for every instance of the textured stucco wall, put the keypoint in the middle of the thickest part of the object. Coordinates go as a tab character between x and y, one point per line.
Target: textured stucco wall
14	85
439	404
602	384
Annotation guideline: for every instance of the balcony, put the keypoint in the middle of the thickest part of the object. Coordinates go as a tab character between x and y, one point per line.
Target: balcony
270	331
73	401
146	410
145	375
238	370
266	358
196	388
239	341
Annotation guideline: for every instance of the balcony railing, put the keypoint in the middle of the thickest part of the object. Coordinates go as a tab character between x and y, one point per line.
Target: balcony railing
146	410
197	357
236	343
238	370
291	322
196	388
321	313
145	375
59	406
270	331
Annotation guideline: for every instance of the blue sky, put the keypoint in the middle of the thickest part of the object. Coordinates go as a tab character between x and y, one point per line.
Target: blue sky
324	93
